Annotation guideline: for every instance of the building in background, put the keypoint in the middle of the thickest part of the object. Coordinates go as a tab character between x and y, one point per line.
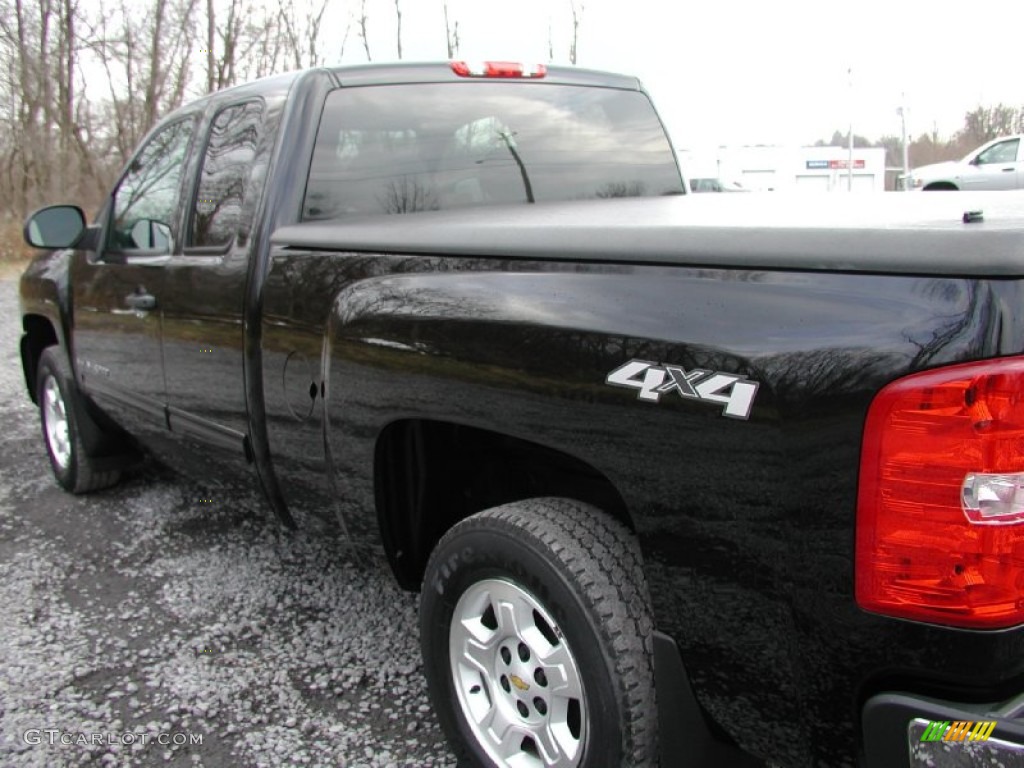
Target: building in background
800	169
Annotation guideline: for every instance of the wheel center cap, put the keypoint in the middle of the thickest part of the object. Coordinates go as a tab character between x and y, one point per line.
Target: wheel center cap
519	683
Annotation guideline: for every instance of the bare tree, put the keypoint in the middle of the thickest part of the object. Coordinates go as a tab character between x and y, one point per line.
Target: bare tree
169	31
577	17
243	30
244	37
33	54
983	124
148	60
314	19
67	58
28	44
43	149
266	47
362	29
344	38
291	35
80	166
451	33
211	36
398	15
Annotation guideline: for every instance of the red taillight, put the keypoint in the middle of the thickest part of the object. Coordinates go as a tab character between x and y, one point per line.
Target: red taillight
498	69
940	510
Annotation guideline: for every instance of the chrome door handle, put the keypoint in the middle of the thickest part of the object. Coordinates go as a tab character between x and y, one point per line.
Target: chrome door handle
140	301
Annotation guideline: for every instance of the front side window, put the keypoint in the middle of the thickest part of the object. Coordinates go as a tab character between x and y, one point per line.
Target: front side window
408	148
146	200
224	176
1003	152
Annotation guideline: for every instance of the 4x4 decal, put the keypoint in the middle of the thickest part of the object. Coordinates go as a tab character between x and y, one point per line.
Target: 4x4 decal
735	393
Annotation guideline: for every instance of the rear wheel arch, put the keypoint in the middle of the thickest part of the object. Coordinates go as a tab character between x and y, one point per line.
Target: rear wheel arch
941	186
429	475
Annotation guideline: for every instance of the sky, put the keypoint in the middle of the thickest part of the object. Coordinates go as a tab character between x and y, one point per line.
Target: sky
735	72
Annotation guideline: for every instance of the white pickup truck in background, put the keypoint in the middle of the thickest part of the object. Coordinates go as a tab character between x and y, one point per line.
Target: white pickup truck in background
995	165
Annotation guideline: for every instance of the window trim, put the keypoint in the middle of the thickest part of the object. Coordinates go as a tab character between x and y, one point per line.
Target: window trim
188	249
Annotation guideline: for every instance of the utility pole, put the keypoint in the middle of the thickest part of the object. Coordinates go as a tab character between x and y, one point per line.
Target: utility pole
907	183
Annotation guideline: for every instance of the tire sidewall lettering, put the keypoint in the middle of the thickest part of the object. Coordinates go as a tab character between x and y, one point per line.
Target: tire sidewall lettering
465	555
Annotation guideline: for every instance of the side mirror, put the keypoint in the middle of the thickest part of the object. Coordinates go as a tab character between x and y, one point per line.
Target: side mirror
56	226
151	235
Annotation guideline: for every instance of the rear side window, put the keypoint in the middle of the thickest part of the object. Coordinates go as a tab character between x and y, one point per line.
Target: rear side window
224	175
408	148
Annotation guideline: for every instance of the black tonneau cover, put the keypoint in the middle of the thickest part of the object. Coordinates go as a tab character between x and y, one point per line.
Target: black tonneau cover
906	233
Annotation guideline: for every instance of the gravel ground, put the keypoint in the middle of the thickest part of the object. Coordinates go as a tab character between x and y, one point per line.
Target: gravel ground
144	626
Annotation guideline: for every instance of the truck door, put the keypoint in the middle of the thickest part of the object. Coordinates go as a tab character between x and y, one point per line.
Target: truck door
995	167
202	320
116	292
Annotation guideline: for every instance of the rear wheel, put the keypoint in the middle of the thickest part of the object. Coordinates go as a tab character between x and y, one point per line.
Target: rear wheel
60	410
536	632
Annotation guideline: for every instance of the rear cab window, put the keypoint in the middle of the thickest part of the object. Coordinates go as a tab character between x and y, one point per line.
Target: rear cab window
408	148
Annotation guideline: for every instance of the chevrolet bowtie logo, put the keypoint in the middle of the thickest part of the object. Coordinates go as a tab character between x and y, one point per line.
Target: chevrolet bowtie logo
519	683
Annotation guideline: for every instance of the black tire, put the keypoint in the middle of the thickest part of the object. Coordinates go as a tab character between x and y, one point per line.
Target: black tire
583	571
58	399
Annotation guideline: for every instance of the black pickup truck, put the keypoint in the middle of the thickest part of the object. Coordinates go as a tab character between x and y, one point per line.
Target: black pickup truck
700	481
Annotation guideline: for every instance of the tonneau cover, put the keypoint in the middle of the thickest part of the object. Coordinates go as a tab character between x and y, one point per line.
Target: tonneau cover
908	233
